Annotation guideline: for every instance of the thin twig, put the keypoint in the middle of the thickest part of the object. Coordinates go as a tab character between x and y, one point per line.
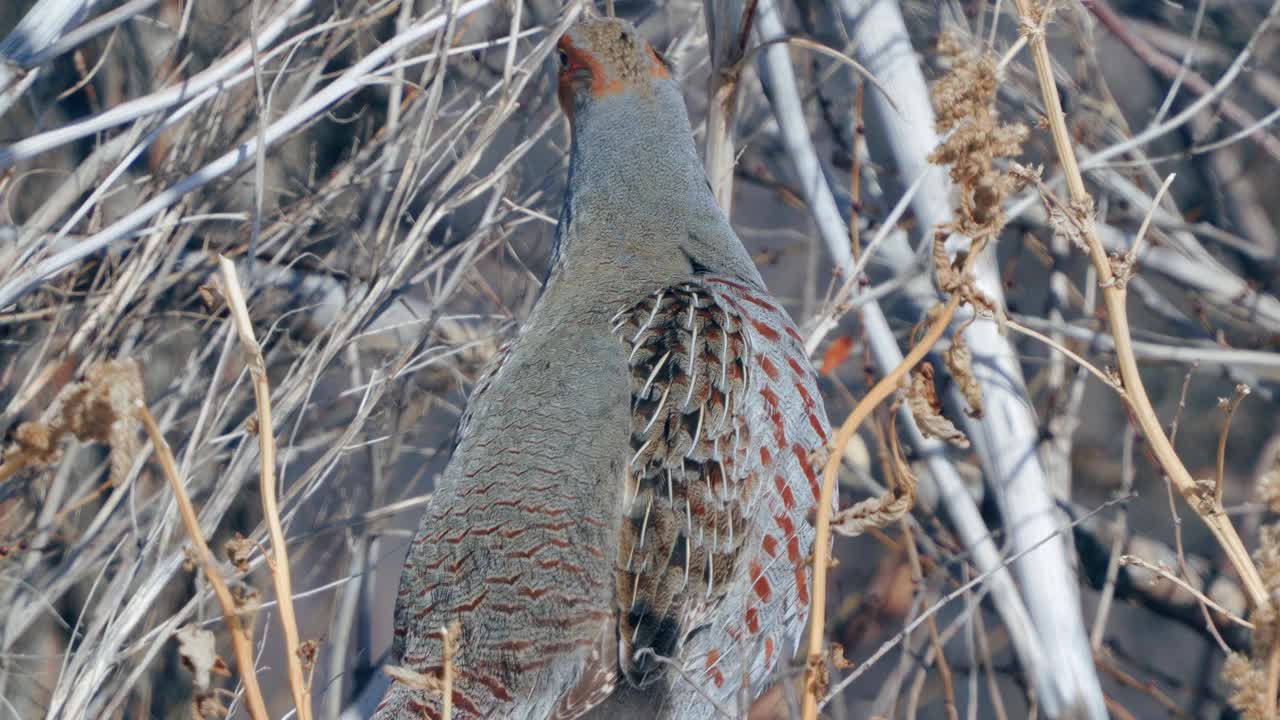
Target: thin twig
1172	69
1117	545
944	669
722	92
450	643
951	596
1167	575
829	52
1050	342
1146	220
1229	405
822	546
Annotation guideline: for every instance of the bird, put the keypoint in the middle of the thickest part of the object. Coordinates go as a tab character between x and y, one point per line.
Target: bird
625	526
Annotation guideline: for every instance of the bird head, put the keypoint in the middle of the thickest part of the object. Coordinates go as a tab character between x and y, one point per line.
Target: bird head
603	57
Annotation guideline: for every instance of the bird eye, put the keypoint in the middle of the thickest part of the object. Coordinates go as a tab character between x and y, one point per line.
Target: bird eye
564	58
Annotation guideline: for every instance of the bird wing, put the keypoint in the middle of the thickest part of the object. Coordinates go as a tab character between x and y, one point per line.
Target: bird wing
728	437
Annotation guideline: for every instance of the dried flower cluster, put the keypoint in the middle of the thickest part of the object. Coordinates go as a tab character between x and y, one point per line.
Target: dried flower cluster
964	100
976	143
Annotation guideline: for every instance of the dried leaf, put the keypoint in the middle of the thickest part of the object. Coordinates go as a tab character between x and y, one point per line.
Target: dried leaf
836	354
949	275
239	551
878	512
99	408
208	706
307	653
198	652
211	298
922	399
959	362
248	600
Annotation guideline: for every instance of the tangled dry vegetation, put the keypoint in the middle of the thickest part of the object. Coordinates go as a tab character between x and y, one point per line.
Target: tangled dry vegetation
253	254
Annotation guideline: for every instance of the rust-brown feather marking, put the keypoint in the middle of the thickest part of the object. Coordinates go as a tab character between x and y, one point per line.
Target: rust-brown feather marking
684	509
727	436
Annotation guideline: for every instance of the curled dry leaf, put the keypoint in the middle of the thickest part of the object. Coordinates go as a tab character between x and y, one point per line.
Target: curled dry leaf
208	706
189	562
959	362
879	512
99	408
838	660
818	677
922	399
948	270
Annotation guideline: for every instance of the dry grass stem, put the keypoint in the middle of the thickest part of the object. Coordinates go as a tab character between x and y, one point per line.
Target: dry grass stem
1102	377
241	638
939	655
441	684
1146	221
270	509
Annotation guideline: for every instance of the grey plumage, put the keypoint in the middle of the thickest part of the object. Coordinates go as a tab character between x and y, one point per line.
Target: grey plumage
653	429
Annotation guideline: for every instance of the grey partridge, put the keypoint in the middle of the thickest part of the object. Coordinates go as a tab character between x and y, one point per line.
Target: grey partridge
623	529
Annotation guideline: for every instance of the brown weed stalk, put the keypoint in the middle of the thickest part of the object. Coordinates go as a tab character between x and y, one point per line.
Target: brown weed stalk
270	508
241	635
1113	274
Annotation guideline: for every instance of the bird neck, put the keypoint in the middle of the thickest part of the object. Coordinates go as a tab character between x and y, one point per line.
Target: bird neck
633	152
638	214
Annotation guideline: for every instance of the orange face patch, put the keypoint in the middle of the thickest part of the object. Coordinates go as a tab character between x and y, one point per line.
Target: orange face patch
577	60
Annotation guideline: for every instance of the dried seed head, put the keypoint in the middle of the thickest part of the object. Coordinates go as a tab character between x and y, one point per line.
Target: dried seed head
964	102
